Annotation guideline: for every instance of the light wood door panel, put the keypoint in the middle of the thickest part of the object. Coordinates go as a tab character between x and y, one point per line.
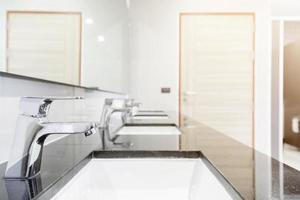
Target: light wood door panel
217	74
44	45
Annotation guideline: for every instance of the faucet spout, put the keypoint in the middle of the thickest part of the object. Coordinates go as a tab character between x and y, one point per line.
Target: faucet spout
36	147
31	132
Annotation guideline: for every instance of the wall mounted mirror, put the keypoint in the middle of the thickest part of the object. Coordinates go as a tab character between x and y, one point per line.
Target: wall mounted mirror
73	42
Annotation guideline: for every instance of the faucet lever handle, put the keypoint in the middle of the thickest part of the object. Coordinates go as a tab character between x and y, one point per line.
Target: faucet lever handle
39	106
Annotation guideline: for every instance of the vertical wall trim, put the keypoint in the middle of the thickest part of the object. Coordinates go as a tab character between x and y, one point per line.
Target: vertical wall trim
180	76
281	100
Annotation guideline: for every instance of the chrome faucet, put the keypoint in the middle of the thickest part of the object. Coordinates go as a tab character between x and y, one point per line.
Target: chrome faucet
107	112
31	132
134	106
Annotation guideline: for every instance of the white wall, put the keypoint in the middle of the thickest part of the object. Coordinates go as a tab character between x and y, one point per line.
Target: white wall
104	64
154	55
285	8
11	89
277	95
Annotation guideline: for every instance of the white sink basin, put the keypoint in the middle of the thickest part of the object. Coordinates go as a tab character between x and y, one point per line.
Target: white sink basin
146	179
149	130
149	112
150	117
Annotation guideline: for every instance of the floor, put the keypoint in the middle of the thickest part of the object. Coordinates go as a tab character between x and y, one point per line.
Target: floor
291	156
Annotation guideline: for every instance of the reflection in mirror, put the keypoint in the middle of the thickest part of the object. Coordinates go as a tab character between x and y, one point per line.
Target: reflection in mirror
66	41
44	45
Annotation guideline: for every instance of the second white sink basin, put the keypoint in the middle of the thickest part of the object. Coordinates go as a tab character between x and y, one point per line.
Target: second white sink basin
149	130
150	117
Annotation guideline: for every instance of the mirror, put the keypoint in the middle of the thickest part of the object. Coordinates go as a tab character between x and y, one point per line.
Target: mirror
73	42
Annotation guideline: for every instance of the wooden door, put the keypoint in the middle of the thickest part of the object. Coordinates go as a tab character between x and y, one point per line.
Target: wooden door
216	76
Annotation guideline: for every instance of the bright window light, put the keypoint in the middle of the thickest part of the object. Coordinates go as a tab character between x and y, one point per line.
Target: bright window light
128	3
89	21
100	38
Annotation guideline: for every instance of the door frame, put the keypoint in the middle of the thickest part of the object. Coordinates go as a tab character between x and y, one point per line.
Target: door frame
8	12
181	15
277	138
277	141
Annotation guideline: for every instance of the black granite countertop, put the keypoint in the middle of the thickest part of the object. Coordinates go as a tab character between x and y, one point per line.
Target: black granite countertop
37	189
254	174
244	171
